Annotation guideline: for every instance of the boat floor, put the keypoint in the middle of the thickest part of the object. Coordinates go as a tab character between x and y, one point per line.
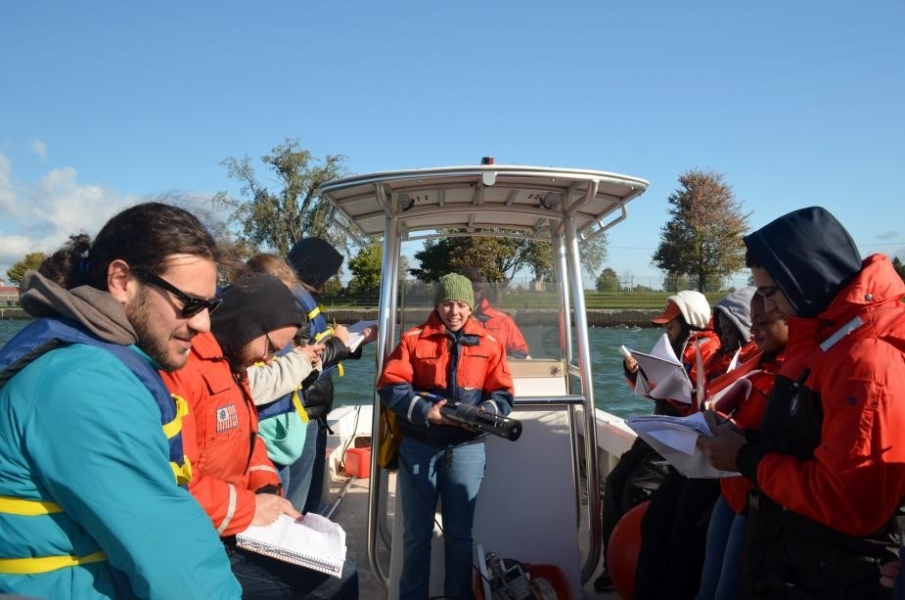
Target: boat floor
351	514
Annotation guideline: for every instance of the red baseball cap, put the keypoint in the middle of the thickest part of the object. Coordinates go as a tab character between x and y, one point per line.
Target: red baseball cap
669	313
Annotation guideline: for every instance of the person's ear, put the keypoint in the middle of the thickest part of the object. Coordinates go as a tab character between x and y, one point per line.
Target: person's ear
120	281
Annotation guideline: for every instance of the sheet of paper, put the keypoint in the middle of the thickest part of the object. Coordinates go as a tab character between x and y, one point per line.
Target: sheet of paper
356	333
662	375
675	439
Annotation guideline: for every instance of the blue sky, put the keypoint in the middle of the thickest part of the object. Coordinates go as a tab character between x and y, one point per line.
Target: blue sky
796	103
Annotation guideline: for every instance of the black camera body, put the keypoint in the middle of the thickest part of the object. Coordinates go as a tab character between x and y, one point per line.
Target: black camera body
498	425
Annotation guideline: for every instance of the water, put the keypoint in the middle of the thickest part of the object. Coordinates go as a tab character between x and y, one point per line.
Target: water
611	392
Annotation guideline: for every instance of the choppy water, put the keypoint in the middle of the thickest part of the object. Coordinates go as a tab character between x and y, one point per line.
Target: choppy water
611	393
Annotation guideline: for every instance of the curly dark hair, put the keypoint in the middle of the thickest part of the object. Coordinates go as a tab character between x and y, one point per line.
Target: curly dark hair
143	236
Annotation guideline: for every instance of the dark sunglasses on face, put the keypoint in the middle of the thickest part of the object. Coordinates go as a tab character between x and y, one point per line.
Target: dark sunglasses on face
191	305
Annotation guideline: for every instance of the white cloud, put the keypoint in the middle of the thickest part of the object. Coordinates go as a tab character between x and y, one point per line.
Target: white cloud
41	218
39	148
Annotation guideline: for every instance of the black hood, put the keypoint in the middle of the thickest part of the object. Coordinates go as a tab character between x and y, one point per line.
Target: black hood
809	255
315	261
254	305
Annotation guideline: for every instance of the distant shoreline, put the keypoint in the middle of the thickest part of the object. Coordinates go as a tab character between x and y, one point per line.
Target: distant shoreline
529	317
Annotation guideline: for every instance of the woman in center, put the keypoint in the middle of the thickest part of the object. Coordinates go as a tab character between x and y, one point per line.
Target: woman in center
449	359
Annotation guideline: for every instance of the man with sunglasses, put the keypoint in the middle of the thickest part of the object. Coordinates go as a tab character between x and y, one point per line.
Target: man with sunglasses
232	477
92	468
828	465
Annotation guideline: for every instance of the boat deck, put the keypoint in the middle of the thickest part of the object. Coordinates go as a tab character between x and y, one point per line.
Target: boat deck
352	512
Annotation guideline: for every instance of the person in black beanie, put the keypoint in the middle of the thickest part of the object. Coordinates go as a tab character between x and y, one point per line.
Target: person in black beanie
232	477
828	465
315	261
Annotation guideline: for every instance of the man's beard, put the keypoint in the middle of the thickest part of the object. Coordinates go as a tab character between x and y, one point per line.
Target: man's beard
139	316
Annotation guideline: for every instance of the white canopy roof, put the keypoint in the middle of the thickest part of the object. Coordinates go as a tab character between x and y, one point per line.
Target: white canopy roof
530	201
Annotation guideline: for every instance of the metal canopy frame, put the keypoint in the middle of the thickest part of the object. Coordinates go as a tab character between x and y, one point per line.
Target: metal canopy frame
561	206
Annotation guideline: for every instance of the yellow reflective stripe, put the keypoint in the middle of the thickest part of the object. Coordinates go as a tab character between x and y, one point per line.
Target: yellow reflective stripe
182	473
173	428
44	564
318	337
314	312
339	369
299	408
28	508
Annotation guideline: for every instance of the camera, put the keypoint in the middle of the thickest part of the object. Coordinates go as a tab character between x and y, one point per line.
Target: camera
498	425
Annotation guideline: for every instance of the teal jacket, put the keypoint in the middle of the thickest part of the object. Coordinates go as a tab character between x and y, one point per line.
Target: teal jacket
55	421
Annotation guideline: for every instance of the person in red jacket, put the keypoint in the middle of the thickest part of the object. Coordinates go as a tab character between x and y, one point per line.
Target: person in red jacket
828	464
450	358
501	325
232	477
745	405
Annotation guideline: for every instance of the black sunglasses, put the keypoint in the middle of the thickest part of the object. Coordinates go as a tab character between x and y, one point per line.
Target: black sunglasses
191	306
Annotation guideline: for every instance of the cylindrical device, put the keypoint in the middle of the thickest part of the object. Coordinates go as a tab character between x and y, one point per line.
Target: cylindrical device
498	425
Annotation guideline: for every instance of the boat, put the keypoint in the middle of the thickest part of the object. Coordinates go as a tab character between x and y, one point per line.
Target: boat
550	479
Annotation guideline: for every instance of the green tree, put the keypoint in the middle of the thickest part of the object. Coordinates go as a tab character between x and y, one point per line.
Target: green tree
367	270
899	267
366	267
608	281
276	219
498	257
31	262
703	237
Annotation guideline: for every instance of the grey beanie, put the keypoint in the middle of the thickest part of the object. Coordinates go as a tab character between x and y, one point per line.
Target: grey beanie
454	288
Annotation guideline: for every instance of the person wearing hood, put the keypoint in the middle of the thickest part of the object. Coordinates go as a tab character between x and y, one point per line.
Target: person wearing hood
232	477
686	321
92	477
674	527
315	261
732	324
450	358
828	465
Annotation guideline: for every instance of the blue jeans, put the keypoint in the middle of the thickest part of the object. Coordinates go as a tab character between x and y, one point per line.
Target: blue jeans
454	475
301	471
721	577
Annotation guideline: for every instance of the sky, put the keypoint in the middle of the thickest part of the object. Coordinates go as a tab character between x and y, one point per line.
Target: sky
801	103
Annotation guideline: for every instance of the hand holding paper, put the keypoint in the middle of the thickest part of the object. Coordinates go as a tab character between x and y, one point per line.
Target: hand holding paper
677	439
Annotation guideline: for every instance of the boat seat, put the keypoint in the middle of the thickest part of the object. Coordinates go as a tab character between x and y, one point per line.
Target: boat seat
534	377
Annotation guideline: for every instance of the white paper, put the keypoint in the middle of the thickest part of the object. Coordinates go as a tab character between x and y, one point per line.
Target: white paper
662	375
313	541
675	438
356	333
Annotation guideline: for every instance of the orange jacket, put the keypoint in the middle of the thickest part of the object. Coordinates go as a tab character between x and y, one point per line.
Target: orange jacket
229	460
748	413
475	372
831	443
502	327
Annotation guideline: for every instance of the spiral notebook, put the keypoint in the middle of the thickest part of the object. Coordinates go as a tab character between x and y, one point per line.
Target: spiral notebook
314	542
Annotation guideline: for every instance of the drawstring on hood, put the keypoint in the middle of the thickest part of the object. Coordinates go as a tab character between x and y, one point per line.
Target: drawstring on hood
809	255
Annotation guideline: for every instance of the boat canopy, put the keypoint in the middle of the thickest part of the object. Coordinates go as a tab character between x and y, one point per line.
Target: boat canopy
528	202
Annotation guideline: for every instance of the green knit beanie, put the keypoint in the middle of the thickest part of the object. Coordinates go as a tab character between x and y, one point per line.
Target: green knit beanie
454	288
